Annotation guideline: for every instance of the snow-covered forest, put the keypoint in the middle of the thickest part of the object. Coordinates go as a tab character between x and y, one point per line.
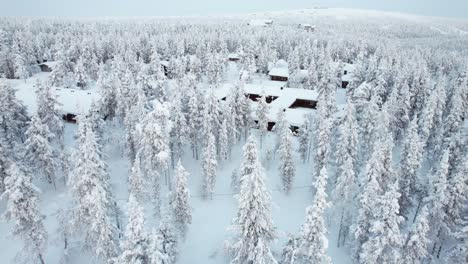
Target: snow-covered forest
309	136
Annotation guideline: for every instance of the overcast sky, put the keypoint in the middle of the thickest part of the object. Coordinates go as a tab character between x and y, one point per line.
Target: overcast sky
448	8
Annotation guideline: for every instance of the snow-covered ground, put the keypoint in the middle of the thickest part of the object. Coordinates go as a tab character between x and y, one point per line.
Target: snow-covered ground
208	231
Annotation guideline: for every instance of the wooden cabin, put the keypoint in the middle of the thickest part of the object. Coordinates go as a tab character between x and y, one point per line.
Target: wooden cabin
233	57
344	84
303	103
70	118
279	74
45	68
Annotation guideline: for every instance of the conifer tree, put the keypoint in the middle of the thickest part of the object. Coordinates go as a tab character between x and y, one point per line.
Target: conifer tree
95	212
14	119
253	223
209	166
179	200
167	236
135	245
287	167
417	241
80	74
136	180
262	116
156	253
224	144
437	200
410	164
154	149
22	209
179	132
346	187
314	242
289	254
304	139
58	74
39	152
47	111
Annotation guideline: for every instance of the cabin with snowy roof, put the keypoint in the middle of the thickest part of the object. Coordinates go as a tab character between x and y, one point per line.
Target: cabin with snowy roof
233	57
71	102
48	66
296	103
307	27
260	22
347	75
280	72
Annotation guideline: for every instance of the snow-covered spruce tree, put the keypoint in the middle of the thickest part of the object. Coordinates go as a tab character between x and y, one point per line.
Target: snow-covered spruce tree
367	128
155	150
378	216
289	254
286	167
224	144
80	74
136	180
432	113
22	209
459	252
305	139
179	132
253	223
95	208
21	67
411	159
194	119
437	200
13	119
346	188
108	91
415	249
262	116
58	74
132	119
279	128
47	111
209	166
39	152
179	200
167	235
325	120
243	112
314	243
134	247
457	199
384	241
231	125
156	254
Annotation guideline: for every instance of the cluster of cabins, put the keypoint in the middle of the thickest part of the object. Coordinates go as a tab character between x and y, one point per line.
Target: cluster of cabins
296	103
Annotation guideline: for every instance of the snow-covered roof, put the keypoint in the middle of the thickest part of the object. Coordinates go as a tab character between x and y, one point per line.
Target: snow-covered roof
286	97
50	64
349	68
233	56
165	63
71	101
282	72
281	64
76	101
260	22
